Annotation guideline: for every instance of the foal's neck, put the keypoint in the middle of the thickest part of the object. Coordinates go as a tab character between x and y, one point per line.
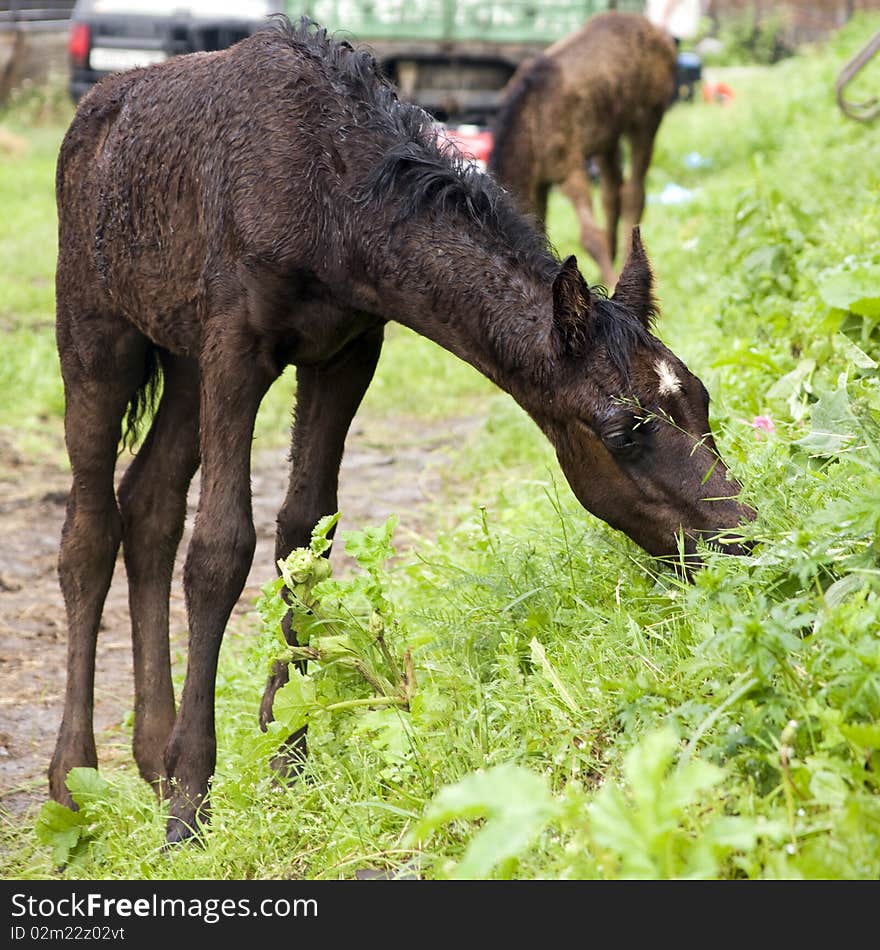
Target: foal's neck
476	300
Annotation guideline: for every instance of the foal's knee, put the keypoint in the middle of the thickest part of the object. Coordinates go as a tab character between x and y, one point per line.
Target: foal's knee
152	528
134	506
217	563
89	544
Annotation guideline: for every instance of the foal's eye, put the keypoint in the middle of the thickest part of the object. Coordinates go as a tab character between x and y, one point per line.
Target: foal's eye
619	440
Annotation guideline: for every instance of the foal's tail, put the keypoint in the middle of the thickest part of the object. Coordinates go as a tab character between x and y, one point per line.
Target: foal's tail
143	403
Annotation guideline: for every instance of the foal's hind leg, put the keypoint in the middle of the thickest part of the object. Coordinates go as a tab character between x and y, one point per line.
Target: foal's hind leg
576	187
327	398
99	381
152	500
233	383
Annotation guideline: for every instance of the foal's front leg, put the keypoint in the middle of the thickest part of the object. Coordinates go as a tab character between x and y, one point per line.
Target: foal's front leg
218	560
610	183
327	398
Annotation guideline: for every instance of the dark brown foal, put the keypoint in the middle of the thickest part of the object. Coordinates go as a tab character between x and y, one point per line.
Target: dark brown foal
222	216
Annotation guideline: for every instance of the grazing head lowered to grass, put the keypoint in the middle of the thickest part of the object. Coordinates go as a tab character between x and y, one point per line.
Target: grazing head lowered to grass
225	215
630	422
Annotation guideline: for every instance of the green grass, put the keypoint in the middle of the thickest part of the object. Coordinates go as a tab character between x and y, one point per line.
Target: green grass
29	377
577	711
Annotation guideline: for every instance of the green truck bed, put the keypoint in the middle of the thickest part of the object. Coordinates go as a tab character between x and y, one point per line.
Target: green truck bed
453	57
513	21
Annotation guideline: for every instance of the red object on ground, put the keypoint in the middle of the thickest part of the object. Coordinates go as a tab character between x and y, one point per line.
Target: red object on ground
473	141
717	92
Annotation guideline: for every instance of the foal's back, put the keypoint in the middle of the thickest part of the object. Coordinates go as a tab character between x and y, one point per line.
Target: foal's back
174	181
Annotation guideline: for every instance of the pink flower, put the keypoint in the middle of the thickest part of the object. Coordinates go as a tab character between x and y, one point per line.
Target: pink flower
763	426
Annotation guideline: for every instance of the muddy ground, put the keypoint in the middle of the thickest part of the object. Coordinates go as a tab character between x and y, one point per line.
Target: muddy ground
392	465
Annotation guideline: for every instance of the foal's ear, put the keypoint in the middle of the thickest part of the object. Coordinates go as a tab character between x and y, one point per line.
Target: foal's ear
571	304
636	282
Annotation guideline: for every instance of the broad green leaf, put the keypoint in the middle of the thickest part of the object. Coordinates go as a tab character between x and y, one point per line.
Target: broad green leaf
295	700
828	788
60	828
863	734
855	354
386	732
86	785
502	787
834	426
645	765
372	546
736	833
791	383
501	838
320	542
648	767
614	825
855	288
272	607
685	786
642	826
516	803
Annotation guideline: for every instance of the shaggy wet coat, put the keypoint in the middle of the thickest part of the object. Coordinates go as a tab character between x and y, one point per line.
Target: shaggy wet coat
223	215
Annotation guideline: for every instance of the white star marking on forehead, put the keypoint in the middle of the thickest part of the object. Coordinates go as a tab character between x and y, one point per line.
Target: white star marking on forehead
669	382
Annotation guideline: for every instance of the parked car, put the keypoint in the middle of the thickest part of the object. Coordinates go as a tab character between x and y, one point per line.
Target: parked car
452	57
111	35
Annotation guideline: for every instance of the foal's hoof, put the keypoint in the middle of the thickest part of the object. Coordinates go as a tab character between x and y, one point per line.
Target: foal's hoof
287	768
65	758
179	832
290	760
188	814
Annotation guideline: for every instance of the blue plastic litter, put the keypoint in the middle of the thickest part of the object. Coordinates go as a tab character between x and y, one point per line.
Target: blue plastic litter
673	194
696	160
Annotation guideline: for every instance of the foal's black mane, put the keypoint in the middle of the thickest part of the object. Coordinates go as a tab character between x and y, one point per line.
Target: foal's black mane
421	175
618	330
418	173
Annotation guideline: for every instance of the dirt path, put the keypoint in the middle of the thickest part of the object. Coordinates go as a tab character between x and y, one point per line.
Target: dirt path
390	466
